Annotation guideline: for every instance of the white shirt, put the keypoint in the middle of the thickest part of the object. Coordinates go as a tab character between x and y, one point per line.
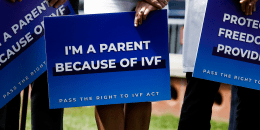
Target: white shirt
108	6
194	17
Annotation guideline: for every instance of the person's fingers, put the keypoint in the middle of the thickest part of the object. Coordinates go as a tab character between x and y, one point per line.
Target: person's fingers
247	9
58	3
142	10
137	8
147	11
155	3
140	17
12	1
20	0
140	20
248	6
136	20
250	9
163	3
52	2
243	5
252	3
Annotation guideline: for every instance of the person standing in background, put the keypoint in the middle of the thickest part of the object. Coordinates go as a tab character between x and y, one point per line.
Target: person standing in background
130	116
43	118
247	107
199	96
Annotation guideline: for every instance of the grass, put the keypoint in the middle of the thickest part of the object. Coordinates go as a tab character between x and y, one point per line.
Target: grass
82	118
165	122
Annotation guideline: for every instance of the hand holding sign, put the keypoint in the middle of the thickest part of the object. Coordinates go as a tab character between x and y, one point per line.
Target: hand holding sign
142	10
56	3
248	6
158	3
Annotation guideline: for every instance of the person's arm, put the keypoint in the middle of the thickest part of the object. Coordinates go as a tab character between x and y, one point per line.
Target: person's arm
142	10
248	6
157	3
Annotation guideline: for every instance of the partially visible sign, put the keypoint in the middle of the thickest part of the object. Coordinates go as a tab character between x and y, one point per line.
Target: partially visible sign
22	45
103	59
229	50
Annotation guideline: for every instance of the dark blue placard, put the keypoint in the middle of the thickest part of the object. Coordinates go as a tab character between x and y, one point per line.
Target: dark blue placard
85	85
226	58
22	45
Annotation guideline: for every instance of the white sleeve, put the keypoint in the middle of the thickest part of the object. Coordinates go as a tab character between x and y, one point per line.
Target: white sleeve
108	6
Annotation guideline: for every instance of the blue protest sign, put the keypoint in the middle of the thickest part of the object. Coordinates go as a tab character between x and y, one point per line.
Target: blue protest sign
22	45
103	59
229	47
